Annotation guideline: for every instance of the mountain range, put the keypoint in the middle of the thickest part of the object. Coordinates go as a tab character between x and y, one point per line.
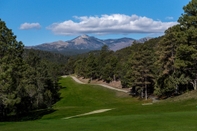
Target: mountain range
85	43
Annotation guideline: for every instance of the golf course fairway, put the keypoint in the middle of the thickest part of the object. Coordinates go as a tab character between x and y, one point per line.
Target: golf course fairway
116	111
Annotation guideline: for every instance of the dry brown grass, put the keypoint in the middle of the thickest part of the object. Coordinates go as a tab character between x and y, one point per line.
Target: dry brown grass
116	84
186	96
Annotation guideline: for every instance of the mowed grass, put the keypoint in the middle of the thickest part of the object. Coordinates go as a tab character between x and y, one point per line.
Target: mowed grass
127	114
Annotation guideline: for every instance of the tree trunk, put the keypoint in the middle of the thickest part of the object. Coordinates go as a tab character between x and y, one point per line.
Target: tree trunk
142	93
145	90
146	95
194	83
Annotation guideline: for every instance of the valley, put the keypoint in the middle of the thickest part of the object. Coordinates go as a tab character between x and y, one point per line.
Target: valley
91	84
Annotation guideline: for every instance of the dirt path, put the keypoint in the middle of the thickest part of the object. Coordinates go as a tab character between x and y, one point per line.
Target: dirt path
106	86
65	76
77	80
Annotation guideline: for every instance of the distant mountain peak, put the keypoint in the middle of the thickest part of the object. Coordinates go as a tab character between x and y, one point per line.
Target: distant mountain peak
84	36
85	42
80	40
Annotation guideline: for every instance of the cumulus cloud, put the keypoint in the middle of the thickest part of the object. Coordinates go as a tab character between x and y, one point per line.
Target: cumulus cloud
110	24
169	18
27	26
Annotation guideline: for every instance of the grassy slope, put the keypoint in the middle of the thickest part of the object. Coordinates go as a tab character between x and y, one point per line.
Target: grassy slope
127	114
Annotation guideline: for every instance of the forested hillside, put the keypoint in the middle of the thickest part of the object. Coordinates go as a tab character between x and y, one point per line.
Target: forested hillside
164	66
27	82
48	56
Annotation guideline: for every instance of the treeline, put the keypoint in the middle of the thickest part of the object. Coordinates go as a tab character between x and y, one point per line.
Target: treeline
164	66
55	62
27	82
48	56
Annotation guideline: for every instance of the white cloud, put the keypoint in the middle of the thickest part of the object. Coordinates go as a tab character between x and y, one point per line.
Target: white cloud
110	24
169	18
27	26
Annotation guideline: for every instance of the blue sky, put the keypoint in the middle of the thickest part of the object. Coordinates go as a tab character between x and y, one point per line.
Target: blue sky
39	21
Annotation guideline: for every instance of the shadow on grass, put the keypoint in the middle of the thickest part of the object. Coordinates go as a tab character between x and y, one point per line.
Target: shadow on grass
34	115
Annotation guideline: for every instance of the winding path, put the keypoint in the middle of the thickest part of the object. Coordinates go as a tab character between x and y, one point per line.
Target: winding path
106	86
77	80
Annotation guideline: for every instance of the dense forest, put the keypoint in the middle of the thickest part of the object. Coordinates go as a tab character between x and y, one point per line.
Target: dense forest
47	56
164	66
28	78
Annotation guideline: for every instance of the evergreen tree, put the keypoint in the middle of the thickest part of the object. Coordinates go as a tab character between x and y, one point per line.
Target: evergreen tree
90	66
141	70
69	68
24	85
186	60
109	70
166	51
11	68
126	74
40	84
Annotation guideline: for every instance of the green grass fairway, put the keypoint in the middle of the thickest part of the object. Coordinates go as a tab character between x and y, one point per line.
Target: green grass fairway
127	114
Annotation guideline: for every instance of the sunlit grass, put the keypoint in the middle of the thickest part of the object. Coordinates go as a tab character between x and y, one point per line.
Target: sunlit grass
127	114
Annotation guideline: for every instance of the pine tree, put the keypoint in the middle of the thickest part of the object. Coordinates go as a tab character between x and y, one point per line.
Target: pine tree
126	75
109	70
140	71
187	51
166	52
11	68
40	86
